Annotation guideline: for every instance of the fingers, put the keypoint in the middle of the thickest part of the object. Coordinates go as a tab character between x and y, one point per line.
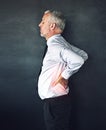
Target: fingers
61	81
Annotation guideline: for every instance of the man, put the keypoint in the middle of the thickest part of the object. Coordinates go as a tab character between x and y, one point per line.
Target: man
61	61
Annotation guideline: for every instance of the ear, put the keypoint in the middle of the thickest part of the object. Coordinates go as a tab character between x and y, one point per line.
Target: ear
52	26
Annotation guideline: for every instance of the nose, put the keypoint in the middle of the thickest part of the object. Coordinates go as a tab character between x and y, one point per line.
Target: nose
39	24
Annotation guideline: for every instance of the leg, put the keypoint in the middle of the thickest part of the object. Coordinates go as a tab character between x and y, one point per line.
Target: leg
57	113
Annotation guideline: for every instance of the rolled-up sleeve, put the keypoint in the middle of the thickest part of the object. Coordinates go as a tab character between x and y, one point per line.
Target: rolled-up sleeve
73	62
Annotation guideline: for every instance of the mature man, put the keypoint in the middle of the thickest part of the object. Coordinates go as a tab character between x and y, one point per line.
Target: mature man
61	61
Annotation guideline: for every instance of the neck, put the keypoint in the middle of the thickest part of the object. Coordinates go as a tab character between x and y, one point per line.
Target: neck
53	32
52	35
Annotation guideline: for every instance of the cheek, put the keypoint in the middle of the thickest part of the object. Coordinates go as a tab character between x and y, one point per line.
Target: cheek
45	29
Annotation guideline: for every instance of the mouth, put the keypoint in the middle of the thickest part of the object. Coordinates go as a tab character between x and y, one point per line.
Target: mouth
40	30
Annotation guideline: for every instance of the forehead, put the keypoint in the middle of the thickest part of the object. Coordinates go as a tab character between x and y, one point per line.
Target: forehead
46	16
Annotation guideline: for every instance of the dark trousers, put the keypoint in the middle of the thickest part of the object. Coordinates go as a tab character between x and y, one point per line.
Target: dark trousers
57	113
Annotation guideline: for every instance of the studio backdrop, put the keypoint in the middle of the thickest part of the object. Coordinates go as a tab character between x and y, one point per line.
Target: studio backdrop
21	51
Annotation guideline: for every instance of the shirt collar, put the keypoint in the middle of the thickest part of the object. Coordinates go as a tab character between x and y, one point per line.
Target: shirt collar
51	38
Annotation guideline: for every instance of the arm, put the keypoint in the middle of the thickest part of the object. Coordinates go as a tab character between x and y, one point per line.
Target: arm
80	52
73	62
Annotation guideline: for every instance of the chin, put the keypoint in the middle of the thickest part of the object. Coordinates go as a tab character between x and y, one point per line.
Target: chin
42	35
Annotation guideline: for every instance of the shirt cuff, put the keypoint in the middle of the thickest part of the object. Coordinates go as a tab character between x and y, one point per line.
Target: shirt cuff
66	75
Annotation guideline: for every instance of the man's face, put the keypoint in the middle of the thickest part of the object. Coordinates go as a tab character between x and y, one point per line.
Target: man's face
45	25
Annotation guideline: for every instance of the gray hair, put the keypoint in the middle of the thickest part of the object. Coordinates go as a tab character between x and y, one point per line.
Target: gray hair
58	18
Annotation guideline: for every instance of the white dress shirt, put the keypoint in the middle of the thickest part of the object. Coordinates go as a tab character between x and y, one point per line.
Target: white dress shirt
61	59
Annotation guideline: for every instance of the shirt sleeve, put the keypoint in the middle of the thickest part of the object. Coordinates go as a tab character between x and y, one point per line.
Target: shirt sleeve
73	62
80	52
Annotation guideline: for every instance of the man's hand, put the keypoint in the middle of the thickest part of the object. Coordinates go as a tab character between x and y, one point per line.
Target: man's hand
62	81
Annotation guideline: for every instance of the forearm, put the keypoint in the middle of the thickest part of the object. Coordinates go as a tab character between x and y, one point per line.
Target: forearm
73	62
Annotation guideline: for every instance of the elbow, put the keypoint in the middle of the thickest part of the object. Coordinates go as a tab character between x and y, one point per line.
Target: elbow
81	61
86	57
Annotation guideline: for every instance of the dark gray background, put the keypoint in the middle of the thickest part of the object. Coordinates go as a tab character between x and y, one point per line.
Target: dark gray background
21	50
